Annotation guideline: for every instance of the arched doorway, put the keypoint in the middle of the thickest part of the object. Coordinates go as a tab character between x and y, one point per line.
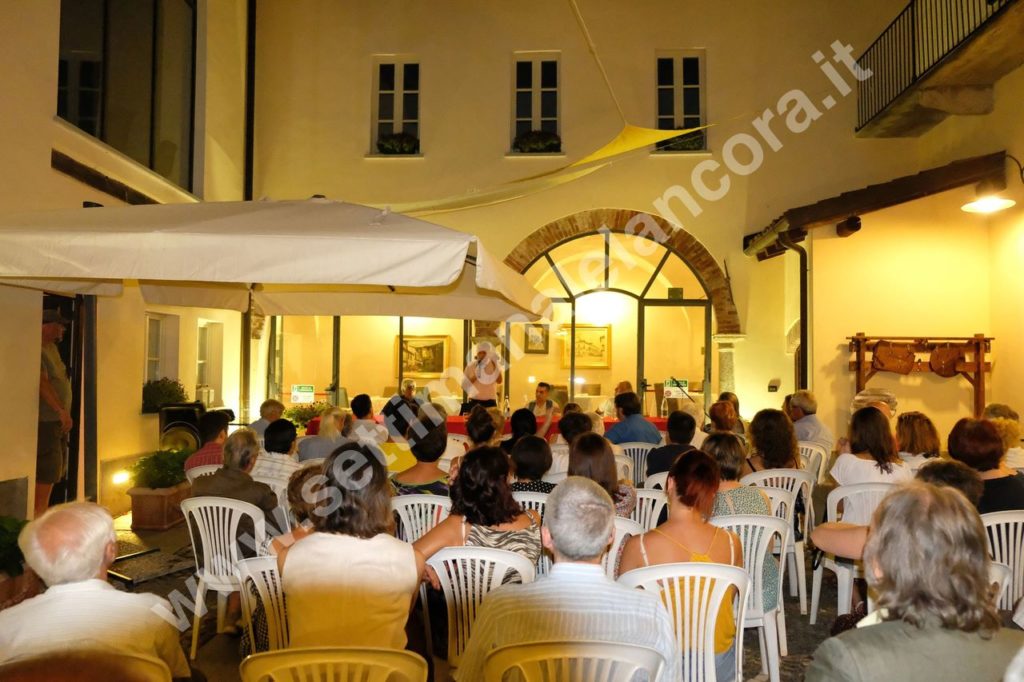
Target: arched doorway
626	306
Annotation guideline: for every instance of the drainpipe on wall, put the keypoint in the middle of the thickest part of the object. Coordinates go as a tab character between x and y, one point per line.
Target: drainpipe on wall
786	240
244	391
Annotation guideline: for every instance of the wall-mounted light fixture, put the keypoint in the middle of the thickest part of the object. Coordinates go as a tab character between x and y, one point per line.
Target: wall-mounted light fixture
987	194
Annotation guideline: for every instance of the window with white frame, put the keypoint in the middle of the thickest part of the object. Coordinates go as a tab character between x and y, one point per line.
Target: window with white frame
396	107
535	103
681	99
161	354
209	366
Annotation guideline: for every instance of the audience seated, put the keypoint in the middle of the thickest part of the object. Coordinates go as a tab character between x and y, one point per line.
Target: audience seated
576	601
303	487
687	536
572	407
70	547
213	431
681	428
803	408
428	442
591	456
571	425
543	408
277	461
724	418
917	439
697	412
632	427
773	441
531	458
607	409
351	582
524	423
364	428
739	427
1009	431
327	439
872	459
233	480
270	411
484	513
976	443
927	559
401	410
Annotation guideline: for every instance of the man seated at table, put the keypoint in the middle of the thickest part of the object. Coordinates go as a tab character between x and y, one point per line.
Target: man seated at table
576	601
681	427
277	461
213	431
364	428
70	547
607	409
400	411
270	411
632	427
545	409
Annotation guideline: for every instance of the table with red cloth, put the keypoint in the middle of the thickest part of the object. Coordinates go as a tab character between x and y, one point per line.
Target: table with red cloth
457	424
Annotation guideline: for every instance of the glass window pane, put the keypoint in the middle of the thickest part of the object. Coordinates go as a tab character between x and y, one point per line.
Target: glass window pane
524	104
62	73
691	101
549	74
691	121
152	370
411	128
523	127
549	104
89	75
691	71
62	103
632	261
676	274
524	74
410	106
549	126
384	129
385	107
665	107
581	263
154	337
666	124
674	348
387	77
88	101
411	77
665	71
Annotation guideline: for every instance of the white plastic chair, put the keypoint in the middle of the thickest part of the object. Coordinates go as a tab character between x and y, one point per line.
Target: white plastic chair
574	662
649	505
757	535
624	465
460	439
1005	531
466	575
783	505
338	664
624	529
314	462
815	459
659	481
418	514
555	478
1001	576
216	521
702	588
638	453
796	481
205	470
281	521
867	496
536	502
260	576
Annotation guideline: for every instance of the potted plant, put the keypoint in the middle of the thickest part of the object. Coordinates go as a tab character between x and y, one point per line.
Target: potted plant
302	414
398	143
537	142
159	392
160	486
12	568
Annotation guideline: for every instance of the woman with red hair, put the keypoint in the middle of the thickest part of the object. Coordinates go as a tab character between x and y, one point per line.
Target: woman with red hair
977	443
687	536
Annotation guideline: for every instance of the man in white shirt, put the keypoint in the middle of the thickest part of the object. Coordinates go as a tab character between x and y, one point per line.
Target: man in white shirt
802	408
70	547
270	411
483	377
277	460
364	428
576	601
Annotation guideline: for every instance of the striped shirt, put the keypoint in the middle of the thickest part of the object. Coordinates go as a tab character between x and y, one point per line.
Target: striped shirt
575	602
274	465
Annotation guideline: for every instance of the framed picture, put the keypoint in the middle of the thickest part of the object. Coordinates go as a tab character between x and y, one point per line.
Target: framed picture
423	357
535	339
593	347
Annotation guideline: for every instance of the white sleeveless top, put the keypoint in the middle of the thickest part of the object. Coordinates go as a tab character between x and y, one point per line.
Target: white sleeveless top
347	591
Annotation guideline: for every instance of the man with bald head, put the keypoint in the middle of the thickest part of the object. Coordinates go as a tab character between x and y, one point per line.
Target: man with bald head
70	547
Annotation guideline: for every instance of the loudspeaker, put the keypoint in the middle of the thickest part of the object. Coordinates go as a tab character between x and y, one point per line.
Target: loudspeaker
179	426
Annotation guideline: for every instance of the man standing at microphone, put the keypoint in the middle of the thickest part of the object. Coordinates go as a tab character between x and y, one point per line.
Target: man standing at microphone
483	376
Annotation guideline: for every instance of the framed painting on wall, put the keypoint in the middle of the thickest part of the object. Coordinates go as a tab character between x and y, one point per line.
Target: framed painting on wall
593	347
536	339
423	357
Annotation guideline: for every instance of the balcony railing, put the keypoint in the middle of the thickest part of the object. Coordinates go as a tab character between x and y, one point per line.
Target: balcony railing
916	40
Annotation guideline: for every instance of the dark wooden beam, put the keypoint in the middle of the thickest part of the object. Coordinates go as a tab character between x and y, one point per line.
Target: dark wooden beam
97	180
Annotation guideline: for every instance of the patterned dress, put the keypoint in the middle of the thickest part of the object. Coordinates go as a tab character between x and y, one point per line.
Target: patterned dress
749	500
532	487
438	487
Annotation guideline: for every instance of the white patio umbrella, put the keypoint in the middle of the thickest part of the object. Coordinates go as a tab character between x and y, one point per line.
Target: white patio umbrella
311	257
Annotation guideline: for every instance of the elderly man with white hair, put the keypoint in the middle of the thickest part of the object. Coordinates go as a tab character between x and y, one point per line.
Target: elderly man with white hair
803	408
576	601
70	548
401	410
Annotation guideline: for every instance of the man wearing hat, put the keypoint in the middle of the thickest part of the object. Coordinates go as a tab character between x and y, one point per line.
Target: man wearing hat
54	417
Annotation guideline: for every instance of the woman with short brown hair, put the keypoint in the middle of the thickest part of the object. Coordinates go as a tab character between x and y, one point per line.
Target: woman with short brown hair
591	456
917	439
872	459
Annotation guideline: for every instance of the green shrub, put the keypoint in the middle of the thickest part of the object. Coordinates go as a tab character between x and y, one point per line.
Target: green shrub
10	554
398	143
162	469
301	415
537	142
159	392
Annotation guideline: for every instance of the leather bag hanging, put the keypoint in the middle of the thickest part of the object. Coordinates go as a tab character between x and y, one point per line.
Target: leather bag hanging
944	358
893	357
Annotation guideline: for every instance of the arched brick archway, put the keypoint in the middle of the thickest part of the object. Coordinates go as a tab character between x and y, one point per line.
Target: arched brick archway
625	221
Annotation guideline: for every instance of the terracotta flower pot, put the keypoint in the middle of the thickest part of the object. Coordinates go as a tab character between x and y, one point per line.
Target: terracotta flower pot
158	508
